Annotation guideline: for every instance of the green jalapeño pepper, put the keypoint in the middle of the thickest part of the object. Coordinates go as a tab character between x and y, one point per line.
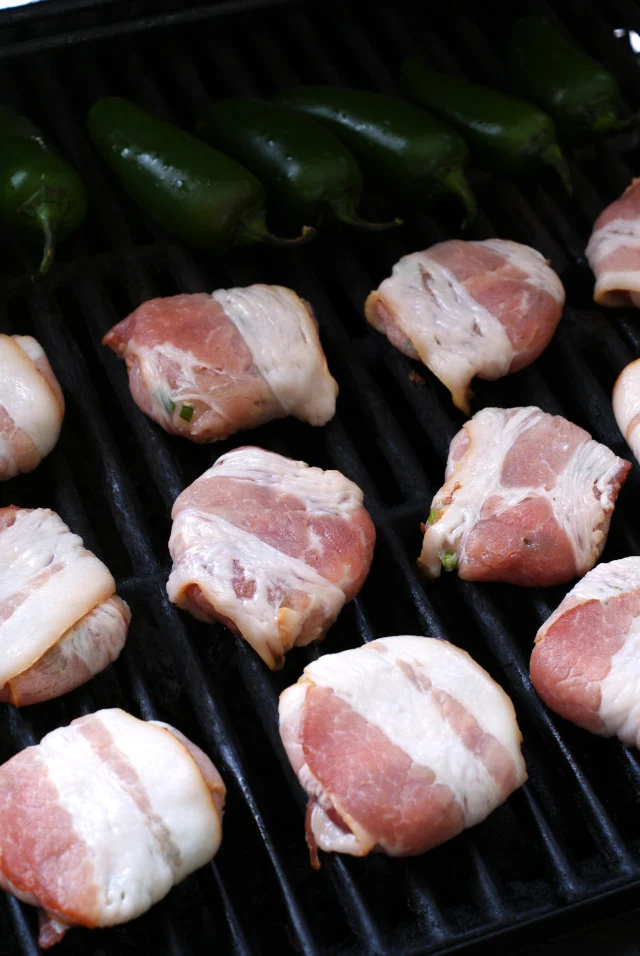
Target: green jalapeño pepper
410	152
580	94
190	189
304	168
42	198
504	133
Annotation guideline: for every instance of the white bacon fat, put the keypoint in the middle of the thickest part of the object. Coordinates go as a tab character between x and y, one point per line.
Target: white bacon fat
31	405
271	547
527	499
613	251
400	745
60	619
103	817
206	366
469	308
586	662
283	339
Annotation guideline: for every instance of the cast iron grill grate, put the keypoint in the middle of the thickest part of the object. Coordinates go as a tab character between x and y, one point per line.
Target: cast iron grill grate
571	836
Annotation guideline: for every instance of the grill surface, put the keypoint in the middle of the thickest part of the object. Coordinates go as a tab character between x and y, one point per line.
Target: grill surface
572	834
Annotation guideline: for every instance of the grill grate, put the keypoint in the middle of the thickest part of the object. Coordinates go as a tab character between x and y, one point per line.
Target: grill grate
571	836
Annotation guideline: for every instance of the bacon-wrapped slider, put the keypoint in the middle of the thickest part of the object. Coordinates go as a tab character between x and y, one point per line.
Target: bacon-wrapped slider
400	745
270	547
586	660
614	251
103	817
527	499
469	308
61	621
31	405
206	366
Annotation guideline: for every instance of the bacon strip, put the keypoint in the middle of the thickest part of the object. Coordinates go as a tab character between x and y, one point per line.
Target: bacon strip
271	547
102	818
90	645
282	335
400	745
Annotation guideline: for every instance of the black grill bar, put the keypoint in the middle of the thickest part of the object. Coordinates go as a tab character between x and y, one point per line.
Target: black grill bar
16	48
571	835
563	871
